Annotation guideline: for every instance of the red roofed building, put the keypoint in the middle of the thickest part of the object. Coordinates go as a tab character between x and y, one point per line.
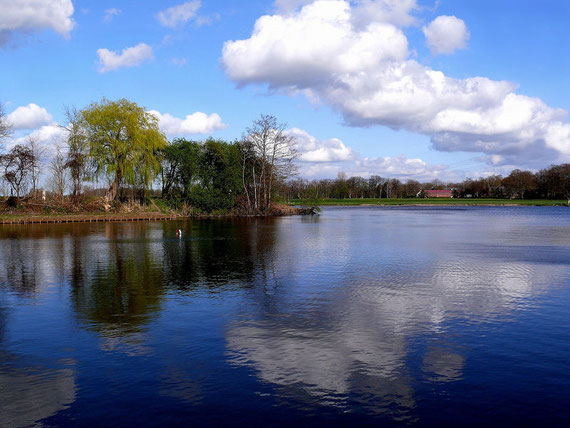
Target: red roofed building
438	193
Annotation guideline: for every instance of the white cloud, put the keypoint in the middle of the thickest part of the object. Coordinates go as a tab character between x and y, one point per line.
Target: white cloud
301	50
196	123
31	116
366	74
180	14
129	57
398	167
396	12
288	6
49	134
111	13
313	150
325	158
48	137
32	15
446	34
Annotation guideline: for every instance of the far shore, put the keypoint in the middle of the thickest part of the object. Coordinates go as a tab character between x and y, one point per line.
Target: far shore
429	202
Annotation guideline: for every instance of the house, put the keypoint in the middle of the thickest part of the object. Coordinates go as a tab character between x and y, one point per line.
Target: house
438	193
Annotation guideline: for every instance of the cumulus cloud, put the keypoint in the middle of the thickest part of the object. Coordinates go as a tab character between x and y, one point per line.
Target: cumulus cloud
49	134
313	150
178	15
446	34
366	74
196	123
325	158
111	13
287	6
397	12
400	167
129	57
31	116
311	48
32	15
49	137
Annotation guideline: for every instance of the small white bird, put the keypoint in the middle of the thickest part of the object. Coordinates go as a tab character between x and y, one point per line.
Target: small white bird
179	233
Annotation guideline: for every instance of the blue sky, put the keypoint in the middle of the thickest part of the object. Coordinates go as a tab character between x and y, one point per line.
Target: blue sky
367	87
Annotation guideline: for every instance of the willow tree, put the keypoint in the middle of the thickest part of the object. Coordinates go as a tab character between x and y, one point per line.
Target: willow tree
123	140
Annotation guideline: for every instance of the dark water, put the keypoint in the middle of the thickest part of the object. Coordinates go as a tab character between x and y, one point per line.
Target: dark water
361	316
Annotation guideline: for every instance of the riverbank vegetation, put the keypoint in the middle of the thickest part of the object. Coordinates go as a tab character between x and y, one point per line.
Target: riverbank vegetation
114	158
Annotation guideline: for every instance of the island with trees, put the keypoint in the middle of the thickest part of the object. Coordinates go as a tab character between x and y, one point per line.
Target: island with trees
115	163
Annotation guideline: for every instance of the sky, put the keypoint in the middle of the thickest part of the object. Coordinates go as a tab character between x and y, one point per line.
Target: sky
411	89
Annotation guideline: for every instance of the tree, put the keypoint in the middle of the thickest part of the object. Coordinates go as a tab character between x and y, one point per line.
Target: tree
340	185
375	183
219	176
59	175
5	125
179	167
37	151
17	166
555	181
123	140
518	183
494	185
76	159
411	188
273	152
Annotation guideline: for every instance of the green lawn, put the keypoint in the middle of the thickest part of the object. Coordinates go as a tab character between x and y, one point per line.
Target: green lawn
430	201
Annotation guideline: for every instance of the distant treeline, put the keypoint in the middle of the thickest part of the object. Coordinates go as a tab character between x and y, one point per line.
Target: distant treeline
548	183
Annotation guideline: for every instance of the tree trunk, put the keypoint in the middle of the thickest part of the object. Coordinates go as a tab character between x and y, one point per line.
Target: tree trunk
255	200
245	186
111	194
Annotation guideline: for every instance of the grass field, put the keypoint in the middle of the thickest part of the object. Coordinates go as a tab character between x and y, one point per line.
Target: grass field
431	201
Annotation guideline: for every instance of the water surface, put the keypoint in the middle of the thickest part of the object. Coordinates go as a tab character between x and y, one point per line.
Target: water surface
363	315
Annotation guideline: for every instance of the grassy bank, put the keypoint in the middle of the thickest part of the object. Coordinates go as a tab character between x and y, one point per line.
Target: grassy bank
431	201
92	210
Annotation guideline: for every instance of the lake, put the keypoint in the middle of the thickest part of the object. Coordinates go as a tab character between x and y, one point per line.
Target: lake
362	315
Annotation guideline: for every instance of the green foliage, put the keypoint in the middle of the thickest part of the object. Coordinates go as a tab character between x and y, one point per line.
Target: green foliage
123	140
205	175
179	168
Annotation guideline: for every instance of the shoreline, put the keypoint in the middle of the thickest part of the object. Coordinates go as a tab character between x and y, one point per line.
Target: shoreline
86	218
35	218
419	202
438	205
151	216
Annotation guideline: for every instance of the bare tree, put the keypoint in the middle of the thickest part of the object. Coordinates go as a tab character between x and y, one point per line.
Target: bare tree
59	175
274	152
37	151
17	166
76	160
5	125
